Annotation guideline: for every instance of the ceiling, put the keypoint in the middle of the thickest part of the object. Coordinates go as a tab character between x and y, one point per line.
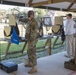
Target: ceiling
67	5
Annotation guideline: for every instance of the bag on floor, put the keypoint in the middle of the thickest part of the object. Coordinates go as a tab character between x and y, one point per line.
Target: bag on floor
8	67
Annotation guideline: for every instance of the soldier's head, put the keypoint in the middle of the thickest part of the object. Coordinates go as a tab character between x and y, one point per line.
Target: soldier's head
31	14
69	16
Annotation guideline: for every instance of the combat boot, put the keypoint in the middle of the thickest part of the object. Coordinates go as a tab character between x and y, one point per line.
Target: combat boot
33	70
29	65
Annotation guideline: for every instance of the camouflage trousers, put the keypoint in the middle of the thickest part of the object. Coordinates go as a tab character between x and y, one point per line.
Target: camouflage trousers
31	51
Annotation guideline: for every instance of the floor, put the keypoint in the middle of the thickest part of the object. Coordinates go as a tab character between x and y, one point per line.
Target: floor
50	65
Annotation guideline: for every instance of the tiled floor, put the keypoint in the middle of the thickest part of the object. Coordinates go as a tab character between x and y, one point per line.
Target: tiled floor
50	65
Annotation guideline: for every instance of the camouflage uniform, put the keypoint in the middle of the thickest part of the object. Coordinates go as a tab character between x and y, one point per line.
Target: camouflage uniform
31	36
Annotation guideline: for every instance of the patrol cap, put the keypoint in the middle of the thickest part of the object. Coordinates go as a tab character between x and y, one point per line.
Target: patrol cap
31	12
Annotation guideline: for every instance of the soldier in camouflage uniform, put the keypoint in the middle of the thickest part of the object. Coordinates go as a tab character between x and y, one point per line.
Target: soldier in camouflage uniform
31	36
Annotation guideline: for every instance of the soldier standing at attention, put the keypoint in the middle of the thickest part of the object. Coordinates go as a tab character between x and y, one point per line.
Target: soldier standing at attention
31	36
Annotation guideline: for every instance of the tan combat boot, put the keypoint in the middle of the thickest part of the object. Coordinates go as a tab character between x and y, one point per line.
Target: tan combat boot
33	70
29	65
